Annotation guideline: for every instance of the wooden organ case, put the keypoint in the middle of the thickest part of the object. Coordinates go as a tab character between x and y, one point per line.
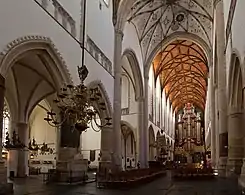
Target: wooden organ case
189	136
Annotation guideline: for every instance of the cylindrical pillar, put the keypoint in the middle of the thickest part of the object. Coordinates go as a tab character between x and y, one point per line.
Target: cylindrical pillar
235	140
221	81
22	167
3	174
140	128
2	92
212	119
106	149
117	153
144	145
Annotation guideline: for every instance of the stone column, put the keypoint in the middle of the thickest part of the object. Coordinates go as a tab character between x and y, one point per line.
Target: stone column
235	140
212	119
22	167
70	162
3	174
144	138
117	153
2	92
242	176
221	81
141	128
106	149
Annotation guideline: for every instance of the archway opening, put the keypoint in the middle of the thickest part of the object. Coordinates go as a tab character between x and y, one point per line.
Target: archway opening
95	142
152	144
45	138
33	71
181	68
235	118
128	147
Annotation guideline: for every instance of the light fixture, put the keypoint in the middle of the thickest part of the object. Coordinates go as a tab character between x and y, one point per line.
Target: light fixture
33	146
32	156
76	105
13	143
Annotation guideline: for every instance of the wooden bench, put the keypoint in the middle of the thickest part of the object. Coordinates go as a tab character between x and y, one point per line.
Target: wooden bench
131	178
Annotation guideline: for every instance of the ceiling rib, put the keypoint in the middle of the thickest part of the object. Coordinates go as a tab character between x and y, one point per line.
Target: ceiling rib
182	68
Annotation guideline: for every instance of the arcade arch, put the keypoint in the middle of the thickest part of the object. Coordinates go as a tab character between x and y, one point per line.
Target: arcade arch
132	95
33	70
152	144
128	146
101	142
235	117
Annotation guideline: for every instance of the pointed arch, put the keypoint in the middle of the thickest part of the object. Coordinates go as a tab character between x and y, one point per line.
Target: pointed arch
235	83
105	97
18	47
152	141
135	67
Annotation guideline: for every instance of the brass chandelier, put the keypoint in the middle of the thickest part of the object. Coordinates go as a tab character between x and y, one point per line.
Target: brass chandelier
76	106
76	103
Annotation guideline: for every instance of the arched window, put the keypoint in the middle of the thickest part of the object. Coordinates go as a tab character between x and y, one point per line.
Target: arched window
6	119
125	95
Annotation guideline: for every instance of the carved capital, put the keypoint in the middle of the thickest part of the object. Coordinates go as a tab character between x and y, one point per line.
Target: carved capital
119	33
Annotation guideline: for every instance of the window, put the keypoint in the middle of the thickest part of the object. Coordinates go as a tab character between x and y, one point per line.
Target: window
6	119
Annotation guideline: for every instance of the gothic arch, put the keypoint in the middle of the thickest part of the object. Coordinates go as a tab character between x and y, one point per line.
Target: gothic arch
235	115
38	48
135	67
152	141
235	84
121	11
15	49
125	123
105	97
151	135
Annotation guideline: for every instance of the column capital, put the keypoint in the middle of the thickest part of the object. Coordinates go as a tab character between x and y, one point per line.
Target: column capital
146	76
140	99
119	32
216	2
235	111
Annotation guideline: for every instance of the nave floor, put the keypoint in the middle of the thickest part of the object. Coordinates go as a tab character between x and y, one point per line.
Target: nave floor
162	186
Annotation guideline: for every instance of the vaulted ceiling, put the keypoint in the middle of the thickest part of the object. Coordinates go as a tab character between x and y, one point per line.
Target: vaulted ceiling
155	20
182	67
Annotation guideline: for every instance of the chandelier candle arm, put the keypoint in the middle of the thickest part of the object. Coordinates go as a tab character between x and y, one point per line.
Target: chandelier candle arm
76	105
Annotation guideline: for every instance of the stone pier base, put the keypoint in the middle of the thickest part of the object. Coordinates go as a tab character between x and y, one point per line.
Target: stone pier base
5	188
222	166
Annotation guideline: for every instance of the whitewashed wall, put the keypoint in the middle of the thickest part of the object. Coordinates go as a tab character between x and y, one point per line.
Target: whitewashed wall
27	18
91	140
131	41
100	29
236	42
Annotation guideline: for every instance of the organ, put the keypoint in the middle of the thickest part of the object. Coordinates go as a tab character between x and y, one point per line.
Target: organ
189	136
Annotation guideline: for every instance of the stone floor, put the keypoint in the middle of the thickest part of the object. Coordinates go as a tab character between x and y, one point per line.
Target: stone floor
162	186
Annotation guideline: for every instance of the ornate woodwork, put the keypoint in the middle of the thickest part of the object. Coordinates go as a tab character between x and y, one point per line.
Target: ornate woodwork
189	137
